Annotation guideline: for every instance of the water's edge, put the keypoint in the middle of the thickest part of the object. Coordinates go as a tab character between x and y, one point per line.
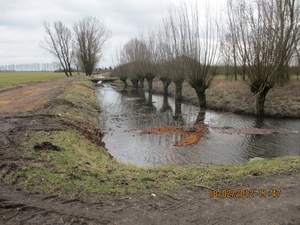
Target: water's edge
127	112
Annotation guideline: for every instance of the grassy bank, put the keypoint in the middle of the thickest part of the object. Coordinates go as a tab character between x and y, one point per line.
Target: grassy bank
236	97
14	78
82	167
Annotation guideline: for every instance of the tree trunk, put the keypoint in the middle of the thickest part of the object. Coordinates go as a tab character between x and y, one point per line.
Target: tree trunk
135	83
141	79
66	72
178	89
150	82
227	71
201	117
89	69
234	62
260	103
150	102
200	87
166	82
244	72
201	98
166	107
124	80
69	69
87	72
166	87
178	118
260	97
149	77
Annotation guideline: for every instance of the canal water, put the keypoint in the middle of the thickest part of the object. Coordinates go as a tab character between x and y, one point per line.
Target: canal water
126	113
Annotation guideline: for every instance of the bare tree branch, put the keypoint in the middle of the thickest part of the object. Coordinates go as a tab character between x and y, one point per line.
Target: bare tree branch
265	33
90	37
194	44
59	43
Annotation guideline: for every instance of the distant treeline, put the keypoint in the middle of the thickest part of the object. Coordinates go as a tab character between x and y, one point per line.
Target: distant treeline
30	67
40	67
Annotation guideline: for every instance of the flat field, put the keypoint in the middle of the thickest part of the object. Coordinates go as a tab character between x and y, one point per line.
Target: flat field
13	78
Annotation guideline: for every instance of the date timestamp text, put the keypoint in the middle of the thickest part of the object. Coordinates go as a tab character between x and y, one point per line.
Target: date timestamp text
244	193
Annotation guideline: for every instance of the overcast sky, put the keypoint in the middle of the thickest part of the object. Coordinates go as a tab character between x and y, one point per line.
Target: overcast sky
21	24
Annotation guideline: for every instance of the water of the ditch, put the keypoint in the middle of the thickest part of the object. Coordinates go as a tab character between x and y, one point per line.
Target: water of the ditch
125	113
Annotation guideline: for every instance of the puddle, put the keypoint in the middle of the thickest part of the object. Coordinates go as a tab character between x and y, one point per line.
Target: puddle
127	113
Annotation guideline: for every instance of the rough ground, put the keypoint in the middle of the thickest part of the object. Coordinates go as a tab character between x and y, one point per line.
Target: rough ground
19	117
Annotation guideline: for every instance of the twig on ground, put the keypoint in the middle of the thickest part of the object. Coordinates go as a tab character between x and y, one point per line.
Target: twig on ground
203	186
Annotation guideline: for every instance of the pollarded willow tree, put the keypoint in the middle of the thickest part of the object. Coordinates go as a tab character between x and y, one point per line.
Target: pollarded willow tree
163	56
163	66
150	59
265	33
132	55
139	54
194	38
121	69
58	42
90	38
169	39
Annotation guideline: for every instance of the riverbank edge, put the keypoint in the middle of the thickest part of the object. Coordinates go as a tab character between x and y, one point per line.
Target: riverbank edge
67	174
235	97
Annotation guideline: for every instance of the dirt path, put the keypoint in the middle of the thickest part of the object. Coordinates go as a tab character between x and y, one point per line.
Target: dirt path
31	96
180	207
18	116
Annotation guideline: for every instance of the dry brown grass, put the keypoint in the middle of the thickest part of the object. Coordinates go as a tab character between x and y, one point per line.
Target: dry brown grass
284	101
82	87
236	97
232	96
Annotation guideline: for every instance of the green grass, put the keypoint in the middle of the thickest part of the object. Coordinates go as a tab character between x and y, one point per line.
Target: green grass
82	168
13	78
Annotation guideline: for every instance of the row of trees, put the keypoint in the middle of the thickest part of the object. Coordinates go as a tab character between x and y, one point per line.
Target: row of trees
31	67
81	47
257	39
184	48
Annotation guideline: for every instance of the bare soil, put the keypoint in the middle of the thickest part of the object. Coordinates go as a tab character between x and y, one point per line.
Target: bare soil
20	117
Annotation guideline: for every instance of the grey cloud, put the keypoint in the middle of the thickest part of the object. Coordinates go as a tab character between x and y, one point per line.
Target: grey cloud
23	20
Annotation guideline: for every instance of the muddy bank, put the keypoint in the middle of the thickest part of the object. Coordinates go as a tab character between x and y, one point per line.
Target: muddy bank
55	111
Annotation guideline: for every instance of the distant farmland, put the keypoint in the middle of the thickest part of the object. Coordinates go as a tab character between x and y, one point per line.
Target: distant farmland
12	78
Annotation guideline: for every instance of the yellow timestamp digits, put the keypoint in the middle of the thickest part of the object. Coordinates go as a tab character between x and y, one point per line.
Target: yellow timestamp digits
263	193
244	193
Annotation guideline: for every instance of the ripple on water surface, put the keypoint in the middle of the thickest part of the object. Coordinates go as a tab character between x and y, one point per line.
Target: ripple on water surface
126	113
